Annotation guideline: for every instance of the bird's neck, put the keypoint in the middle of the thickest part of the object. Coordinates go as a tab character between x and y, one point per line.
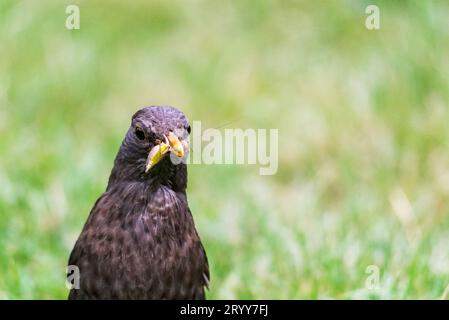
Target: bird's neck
164	174
134	200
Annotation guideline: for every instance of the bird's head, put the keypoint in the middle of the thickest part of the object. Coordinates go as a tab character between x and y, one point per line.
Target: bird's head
153	145
157	132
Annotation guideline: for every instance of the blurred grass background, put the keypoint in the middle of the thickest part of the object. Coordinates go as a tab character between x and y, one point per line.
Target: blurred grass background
362	115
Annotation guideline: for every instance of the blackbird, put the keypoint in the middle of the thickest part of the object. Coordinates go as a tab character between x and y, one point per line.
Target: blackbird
140	241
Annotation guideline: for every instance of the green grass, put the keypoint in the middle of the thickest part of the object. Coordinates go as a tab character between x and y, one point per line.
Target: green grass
362	115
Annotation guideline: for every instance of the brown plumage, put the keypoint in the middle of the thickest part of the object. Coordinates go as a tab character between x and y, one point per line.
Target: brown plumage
140	241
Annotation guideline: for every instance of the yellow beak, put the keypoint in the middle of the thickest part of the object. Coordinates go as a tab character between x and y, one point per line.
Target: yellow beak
158	152
176	145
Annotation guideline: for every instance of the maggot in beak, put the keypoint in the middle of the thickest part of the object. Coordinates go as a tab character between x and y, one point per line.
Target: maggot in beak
158	152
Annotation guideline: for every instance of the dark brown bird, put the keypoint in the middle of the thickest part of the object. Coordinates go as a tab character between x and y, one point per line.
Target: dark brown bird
140	241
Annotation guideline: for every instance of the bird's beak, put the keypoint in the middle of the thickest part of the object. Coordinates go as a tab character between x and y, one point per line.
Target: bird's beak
176	146
158	152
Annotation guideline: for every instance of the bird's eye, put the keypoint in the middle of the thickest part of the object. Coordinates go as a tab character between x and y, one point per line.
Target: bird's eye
188	129
140	134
